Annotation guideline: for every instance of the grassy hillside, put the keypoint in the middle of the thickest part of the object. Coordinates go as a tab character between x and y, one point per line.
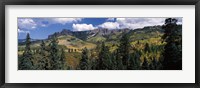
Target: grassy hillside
139	39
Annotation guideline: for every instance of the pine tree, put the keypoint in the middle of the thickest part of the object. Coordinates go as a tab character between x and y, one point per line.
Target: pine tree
104	58
147	48
26	61
124	50
131	63
156	64
173	48
62	60
84	59
159	65
114	61
42	62
54	55
119	60
137	60
145	65
93	64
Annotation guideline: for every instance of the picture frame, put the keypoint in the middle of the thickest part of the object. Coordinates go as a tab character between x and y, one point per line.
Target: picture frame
99	2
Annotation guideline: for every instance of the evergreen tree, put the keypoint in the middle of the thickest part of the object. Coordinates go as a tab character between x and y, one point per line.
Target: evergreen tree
54	55
42	48
62	60
147	48
159	65
156	64
153	64
26	60
93	64
114	61
137	60
131	63
42	62
145	65
134	61
173	48
119	60
124	50
84	59
104	58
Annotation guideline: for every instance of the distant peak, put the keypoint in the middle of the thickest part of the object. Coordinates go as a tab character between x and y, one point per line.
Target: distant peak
66	30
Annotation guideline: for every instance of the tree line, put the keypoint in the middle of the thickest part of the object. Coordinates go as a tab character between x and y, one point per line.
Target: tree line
47	58
125	57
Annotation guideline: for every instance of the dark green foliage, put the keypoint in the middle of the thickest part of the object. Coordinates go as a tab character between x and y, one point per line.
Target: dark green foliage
44	57
173	49
121	50
25	62
42	62
155	65
62	61
131	63
124	50
116	60
93	64
159	65
145	65
137	60
84	59
113	61
104	58
147	48
134	61
54	55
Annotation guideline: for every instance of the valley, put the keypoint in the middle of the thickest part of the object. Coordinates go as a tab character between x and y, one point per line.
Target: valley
74	42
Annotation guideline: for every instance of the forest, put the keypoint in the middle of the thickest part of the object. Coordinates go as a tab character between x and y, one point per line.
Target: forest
148	48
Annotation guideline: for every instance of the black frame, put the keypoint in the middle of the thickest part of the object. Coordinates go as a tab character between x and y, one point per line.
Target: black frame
99	2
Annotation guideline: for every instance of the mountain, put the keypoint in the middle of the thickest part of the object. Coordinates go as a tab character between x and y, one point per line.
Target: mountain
103	34
21	40
74	41
98	35
86	34
24	40
68	39
91	38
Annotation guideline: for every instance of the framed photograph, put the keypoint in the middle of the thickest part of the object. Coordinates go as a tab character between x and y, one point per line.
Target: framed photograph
100	43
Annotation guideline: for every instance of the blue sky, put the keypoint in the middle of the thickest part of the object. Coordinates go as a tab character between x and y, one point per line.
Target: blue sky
40	28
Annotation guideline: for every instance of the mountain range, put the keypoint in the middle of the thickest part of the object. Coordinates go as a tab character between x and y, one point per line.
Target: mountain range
91	38
74	41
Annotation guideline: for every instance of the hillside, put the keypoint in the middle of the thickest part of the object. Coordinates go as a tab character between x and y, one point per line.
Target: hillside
73	42
80	39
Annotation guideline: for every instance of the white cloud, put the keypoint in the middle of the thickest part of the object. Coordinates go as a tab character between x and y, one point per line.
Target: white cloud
33	23
83	27
65	20
134	23
110	25
22	31
27	23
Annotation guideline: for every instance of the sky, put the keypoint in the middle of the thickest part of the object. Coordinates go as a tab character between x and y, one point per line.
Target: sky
40	28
